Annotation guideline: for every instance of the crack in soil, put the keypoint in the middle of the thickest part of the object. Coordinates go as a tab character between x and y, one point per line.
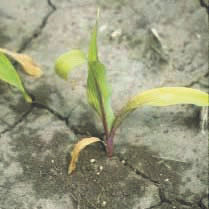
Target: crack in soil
75	130
121	159
38	30
51	5
17	122
49	109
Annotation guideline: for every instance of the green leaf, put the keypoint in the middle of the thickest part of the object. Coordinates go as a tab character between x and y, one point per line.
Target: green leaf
93	51
164	97
99	93
9	75
68	61
98	89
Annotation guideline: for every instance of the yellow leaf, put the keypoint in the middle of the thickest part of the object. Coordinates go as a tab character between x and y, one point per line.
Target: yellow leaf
29	66
164	97
68	61
77	149
170	96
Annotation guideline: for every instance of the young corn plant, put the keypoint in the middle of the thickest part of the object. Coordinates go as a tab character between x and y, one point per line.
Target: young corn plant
9	75
99	95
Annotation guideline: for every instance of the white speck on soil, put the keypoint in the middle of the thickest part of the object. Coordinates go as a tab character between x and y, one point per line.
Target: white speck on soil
123	161
100	167
92	160
104	203
116	33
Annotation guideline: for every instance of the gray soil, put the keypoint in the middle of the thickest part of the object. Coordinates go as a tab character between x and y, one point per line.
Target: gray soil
161	154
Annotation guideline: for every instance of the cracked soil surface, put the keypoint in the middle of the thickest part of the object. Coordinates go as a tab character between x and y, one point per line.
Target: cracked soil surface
161	154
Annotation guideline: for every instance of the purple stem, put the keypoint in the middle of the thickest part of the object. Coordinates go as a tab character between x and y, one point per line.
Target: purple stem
109	147
110	144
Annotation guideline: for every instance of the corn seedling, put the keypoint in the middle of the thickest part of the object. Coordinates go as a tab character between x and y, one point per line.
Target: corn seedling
99	95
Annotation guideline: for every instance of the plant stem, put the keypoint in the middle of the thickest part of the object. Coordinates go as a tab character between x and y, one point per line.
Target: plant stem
110	145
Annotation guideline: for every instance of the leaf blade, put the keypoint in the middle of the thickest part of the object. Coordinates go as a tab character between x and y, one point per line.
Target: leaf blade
8	74
164	96
170	96
77	149
93	49
99	93
68	61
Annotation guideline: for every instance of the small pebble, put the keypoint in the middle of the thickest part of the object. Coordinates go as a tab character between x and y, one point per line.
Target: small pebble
98	173
116	33
92	161
104	203
166	180
123	161
100	168
198	35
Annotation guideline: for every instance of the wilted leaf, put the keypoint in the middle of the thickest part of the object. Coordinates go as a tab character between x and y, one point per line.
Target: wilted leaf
98	89
77	149
29	66
68	61
9	75
164	97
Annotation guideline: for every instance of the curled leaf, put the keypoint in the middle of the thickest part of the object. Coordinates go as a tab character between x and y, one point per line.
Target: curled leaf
77	149
164	97
68	61
29	66
9	75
